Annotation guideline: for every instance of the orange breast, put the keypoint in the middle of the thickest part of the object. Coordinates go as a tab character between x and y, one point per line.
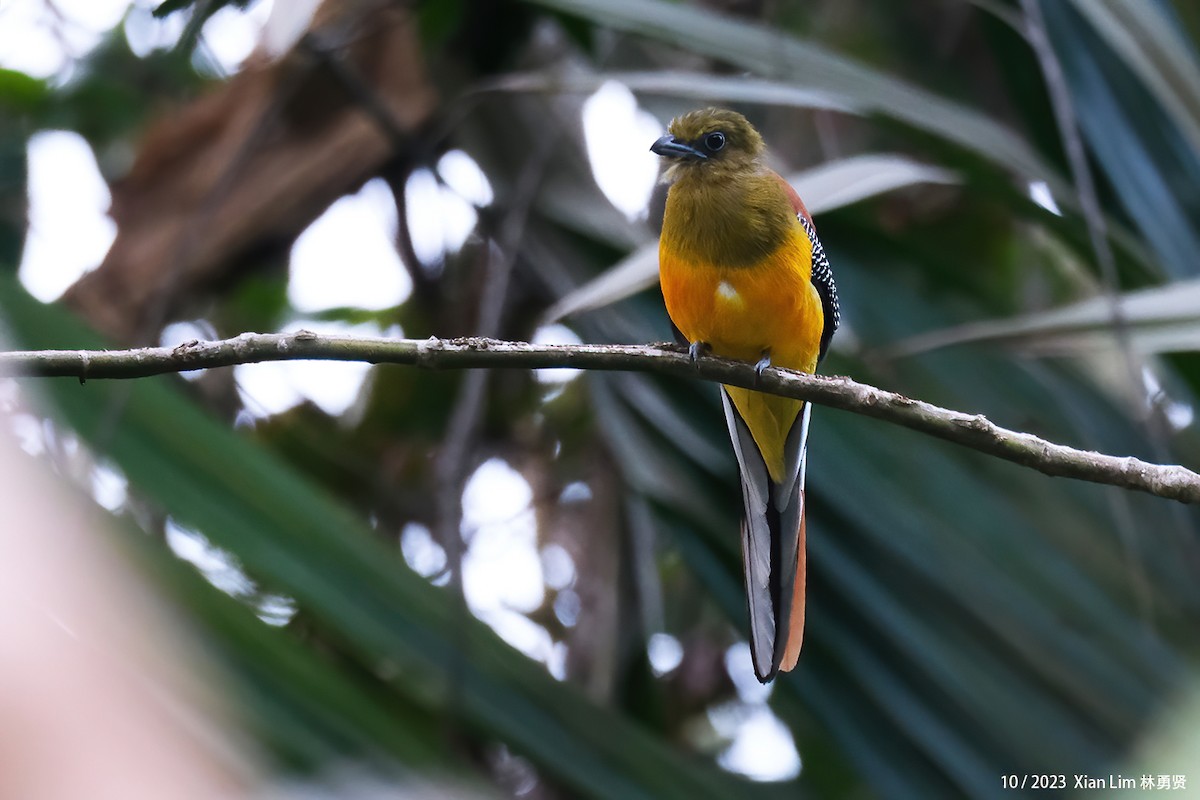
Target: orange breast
742	311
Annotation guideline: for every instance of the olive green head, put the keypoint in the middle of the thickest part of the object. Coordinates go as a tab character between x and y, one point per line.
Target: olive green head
710	139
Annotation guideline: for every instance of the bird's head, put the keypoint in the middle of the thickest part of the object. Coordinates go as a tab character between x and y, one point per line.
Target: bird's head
711	140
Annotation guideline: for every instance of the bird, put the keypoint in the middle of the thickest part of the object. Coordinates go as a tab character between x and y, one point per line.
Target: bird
744	276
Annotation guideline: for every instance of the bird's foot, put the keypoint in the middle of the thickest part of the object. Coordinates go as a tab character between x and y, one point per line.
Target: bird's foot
761	365
698	349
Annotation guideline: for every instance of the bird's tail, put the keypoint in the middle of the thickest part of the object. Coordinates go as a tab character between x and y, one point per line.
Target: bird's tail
773	533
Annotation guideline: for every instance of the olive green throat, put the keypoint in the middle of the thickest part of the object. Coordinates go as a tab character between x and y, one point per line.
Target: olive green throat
726	221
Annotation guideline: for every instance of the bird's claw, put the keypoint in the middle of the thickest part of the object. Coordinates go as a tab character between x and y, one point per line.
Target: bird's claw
697	349
761	365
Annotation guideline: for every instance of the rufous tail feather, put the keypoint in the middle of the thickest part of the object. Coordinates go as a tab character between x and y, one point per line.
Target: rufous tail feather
796	622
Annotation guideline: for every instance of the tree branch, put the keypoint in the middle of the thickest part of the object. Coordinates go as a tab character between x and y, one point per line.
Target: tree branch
970	430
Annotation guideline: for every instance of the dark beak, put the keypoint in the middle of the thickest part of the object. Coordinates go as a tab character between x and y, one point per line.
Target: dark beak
669	147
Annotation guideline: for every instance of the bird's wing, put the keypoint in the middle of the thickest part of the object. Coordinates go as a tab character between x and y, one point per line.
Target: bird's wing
822	281
822	275
772	543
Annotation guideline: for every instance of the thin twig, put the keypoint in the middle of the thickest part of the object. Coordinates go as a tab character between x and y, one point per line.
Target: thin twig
462	429
970	430
1085	186
1063	107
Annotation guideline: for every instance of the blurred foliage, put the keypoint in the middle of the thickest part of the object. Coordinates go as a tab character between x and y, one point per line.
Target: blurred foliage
968	618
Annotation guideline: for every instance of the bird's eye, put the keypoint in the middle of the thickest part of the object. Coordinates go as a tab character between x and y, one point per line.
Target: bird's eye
714	141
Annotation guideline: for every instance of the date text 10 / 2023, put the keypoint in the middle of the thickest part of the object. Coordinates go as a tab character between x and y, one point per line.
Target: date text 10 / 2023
1079	781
